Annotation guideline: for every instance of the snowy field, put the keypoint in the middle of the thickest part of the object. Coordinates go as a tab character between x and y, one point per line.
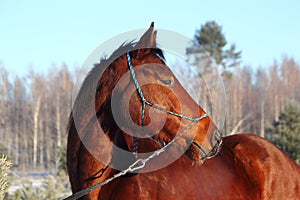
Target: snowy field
42	185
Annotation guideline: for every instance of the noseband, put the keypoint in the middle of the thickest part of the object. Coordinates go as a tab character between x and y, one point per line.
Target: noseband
144	102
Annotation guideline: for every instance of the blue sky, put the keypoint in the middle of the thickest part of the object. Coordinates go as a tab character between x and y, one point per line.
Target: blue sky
40	34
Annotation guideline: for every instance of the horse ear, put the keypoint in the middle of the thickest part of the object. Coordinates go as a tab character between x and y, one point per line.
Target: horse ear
148	40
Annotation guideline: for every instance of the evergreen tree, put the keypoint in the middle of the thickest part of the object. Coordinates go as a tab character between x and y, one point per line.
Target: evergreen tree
286	132
211	38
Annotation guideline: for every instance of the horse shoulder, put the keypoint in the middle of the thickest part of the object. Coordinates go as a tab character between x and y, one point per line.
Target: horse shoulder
83	168
277	176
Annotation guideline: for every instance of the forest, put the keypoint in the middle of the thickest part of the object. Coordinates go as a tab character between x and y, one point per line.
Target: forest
34	108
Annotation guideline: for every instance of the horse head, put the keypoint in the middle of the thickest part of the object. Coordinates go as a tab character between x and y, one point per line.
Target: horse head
151	107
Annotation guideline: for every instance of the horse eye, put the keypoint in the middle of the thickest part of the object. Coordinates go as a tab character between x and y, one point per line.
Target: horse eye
167	82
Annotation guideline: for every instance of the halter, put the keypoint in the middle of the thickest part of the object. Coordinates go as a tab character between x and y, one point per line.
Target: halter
144	102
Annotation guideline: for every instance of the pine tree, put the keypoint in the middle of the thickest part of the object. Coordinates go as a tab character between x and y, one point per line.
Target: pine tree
286	132
212	40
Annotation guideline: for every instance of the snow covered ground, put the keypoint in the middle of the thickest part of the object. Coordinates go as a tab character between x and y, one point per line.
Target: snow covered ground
40	184
19	183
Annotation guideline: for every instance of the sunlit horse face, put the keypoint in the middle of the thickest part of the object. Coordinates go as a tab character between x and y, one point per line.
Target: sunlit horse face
160	87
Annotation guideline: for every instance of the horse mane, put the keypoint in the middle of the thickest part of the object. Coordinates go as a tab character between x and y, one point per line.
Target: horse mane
123	48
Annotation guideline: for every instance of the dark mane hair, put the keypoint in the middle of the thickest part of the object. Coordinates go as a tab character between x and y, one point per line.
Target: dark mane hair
123	48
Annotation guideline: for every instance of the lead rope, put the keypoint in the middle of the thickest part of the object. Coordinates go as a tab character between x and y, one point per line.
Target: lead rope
140	163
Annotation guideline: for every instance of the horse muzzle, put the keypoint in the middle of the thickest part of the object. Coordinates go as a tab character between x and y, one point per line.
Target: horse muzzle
200	152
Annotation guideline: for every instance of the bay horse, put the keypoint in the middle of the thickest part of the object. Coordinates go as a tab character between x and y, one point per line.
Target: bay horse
121	103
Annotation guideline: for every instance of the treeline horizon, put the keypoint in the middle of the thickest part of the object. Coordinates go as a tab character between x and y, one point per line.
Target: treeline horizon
34	108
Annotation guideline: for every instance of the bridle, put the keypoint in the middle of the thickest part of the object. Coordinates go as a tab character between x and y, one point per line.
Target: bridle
140	163
144	102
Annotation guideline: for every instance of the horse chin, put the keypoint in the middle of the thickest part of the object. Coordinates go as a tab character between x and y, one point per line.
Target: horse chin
194	153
